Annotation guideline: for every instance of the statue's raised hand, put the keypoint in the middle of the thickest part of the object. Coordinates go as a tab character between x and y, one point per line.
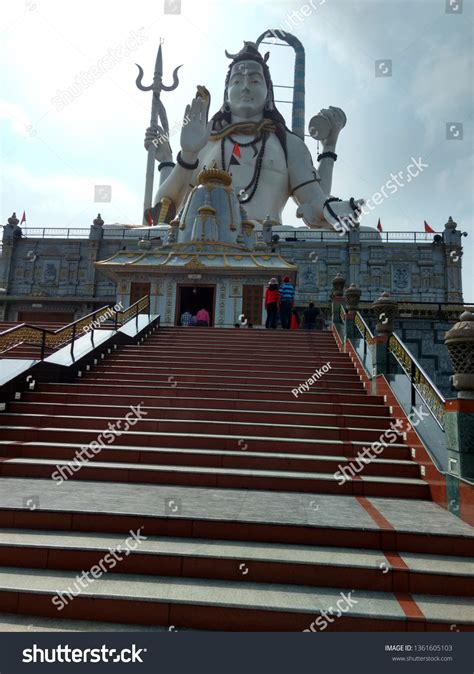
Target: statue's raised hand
337	121
155	135
196	129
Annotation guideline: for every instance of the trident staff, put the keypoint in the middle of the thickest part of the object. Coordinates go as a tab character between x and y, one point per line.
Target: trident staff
157	110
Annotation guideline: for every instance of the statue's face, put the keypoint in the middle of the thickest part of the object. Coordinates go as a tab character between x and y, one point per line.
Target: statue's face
247	90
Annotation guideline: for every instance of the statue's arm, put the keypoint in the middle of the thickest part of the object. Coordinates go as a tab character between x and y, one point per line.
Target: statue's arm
305	182
325	169
306	189
177	183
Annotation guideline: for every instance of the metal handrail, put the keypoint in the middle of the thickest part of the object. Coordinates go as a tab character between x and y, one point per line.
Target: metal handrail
364	330
18	334
420	381
83	232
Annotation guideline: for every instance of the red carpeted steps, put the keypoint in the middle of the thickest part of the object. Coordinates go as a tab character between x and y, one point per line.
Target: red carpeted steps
234	479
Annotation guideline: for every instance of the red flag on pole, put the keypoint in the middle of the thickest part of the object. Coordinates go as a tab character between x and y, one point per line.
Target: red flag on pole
23	218
379	225
428	229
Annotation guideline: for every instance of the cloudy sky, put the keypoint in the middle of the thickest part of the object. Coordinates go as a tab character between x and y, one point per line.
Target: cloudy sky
401	70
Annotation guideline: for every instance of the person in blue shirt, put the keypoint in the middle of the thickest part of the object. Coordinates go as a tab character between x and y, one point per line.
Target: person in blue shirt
186	318
287	295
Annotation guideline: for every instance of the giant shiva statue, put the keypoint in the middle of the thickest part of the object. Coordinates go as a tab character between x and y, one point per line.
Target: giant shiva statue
269	163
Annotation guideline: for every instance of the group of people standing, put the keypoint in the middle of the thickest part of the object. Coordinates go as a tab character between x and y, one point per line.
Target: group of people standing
201	318
279	300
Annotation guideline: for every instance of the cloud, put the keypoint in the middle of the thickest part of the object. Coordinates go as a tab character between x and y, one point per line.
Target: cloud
16	116
66	201
441	86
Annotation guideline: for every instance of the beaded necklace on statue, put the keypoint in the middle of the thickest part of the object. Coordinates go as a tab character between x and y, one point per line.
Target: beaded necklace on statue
244	197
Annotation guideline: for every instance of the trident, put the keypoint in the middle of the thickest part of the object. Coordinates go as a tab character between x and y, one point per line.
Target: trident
157	110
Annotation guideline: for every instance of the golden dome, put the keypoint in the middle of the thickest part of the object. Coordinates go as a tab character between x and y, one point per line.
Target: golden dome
214	175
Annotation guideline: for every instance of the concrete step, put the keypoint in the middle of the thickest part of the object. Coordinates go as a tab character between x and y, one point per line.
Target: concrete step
226	478
291	379
199	440
73	395
186	423
389	524
226	369
265	562
100	409
244	392
240	458
18	622
200	381
228	605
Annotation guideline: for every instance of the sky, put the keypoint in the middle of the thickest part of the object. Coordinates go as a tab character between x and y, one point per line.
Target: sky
402	70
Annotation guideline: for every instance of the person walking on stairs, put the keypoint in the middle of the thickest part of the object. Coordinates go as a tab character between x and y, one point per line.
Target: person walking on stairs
202	317
271	304
309	317
287	295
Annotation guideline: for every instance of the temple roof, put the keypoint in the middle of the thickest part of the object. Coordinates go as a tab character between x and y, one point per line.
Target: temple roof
173	260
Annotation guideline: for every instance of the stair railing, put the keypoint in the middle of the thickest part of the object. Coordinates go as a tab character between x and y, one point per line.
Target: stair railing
54	339
419	380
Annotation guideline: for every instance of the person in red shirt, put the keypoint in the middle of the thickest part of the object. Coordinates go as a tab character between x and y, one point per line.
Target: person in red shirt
203	317
271	303
295	320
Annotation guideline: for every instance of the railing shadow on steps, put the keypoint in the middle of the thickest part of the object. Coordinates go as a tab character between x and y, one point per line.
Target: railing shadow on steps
66	364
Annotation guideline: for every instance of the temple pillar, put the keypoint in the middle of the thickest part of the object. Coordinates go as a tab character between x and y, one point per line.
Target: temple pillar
352	297
337	297
386	312
459	412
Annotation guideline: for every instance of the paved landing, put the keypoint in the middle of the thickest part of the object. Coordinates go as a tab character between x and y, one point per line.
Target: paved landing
319	510
12	622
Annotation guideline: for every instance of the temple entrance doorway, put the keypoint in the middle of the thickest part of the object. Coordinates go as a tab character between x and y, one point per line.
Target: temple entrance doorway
193	298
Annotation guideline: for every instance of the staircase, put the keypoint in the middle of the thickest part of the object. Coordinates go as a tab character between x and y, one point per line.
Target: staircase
231	477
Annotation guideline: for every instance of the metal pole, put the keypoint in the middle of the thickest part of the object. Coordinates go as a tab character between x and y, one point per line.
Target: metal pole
412	384
73	338
43	343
